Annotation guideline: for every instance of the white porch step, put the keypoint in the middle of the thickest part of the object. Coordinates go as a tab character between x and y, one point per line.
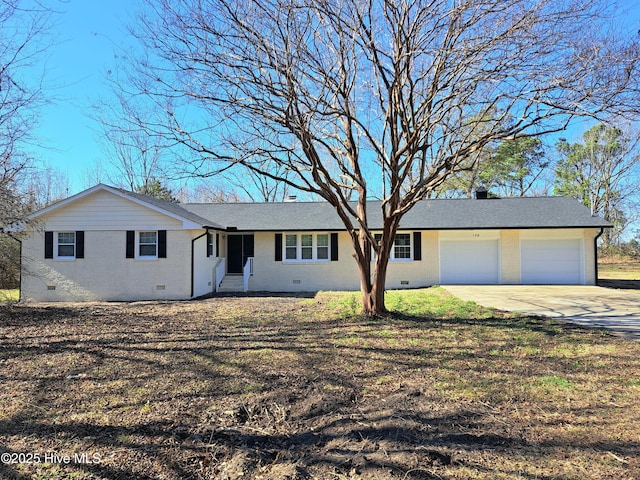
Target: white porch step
232	284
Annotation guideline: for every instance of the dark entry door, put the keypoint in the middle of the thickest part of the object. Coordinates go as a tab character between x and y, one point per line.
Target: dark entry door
239	248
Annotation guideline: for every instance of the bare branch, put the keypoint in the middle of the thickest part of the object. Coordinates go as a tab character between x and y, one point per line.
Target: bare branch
376	98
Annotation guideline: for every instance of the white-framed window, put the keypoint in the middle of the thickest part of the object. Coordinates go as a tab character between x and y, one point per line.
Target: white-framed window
148	244
291	246
211	250
402	249
306	247
66	245
322	246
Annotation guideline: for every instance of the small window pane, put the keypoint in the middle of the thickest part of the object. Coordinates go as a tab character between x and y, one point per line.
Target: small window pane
65	250
147	250
403	239
292	240
307	240
323	240
66	237
148	237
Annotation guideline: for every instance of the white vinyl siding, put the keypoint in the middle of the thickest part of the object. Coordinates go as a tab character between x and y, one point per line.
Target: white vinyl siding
105	211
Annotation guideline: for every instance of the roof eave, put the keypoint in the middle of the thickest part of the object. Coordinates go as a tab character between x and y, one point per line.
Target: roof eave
187	224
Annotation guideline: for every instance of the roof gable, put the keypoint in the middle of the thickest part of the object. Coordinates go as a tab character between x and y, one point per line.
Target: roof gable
181	217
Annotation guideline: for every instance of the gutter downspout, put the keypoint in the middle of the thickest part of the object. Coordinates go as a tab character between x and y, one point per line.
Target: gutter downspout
193	258
595	252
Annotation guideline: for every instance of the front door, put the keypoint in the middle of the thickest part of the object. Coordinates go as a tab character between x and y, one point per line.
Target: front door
239	248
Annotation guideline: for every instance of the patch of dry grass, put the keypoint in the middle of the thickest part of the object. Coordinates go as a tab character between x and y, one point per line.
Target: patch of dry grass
301	388
10	295
619	268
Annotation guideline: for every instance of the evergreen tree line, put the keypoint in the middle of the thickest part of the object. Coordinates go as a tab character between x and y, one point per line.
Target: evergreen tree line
600	170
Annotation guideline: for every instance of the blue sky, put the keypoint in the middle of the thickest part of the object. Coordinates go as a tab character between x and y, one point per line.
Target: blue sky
88	34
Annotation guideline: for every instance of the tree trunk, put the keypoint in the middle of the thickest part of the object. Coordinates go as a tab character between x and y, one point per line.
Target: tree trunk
373	289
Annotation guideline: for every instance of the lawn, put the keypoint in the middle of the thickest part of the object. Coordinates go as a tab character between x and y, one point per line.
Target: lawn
619	268
619	272
9	295
304	388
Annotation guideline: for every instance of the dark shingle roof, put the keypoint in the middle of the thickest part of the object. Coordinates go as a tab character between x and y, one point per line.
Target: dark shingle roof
175	208
524	212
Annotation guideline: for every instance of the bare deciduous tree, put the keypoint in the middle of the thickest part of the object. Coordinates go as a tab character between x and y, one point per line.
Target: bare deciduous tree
375	98
258	187
23	29
23	39
136	157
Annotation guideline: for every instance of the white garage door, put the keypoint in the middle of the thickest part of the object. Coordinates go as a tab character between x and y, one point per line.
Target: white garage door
551	261
469	262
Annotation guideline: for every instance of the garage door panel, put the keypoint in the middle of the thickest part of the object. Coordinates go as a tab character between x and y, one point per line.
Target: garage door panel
469	262
551	261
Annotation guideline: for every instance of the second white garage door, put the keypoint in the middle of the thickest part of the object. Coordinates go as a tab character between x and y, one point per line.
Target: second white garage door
469	262
557	261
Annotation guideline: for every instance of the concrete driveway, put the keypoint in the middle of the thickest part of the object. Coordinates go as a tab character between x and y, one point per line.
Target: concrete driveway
615	310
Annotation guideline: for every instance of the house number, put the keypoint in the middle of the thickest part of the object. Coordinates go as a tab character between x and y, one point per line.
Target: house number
475	235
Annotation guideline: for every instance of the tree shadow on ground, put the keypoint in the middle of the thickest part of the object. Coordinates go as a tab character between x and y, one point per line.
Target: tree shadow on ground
620	284
278	398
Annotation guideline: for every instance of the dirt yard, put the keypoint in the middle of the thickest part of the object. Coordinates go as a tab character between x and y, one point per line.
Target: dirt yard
303	388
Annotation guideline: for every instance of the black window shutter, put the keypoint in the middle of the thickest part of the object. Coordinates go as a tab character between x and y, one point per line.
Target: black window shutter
278	247
162	244
80	244
417	245
48	244
217	244
131	244
334	247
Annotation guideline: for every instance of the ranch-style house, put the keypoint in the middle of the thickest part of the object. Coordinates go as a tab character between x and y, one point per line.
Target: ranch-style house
110	244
